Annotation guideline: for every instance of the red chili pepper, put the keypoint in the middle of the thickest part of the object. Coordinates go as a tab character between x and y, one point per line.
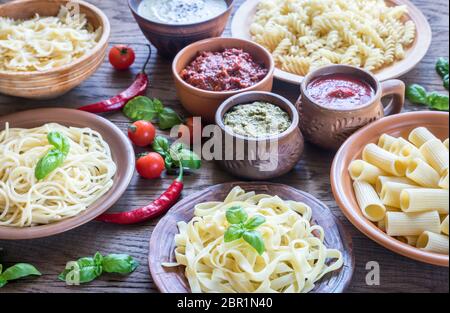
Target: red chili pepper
138	88
153	210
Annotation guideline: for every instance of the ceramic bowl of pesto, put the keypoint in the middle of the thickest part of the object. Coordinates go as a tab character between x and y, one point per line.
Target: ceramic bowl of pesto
171	25
261	138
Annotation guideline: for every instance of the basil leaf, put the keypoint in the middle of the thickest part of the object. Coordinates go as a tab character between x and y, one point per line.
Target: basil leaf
233	233
18	271
50	162
255	222
188	158
119	263
98	259
168	118
416	94
143	108
438	101
88	270
236	215
255	239
161	145
442	67
59	141
446	78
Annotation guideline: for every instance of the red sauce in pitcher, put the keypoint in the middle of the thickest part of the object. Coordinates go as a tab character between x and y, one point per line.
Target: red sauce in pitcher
340	91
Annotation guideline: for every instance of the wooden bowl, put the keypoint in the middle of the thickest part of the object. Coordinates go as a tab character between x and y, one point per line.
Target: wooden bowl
169	39
205	103
54	82
162	243
243	18
261	158
122	154
341	182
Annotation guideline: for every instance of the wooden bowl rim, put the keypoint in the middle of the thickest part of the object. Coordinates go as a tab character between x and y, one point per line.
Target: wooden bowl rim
338	181
345	274
121	180
106	32
214	43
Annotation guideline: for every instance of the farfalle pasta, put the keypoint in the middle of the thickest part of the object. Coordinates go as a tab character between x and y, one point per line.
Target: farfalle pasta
304	34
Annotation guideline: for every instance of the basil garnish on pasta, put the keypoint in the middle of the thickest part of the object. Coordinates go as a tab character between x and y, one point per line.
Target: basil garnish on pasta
55	157
243	227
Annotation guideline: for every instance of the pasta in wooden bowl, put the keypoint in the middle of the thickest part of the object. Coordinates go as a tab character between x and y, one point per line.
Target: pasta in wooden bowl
391	181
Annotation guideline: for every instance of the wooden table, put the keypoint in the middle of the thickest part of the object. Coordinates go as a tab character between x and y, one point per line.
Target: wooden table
398	274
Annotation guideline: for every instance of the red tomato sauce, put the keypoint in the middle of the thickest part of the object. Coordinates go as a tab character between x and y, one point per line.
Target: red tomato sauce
229	70
340	91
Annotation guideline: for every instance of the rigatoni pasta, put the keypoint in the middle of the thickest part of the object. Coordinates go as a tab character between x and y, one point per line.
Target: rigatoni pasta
412	188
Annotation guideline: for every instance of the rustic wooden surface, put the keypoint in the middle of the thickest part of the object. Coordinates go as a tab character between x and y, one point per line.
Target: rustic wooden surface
50	255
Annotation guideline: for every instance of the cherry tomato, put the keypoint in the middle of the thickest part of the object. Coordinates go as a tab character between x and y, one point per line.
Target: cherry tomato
150	166
142	133
121	57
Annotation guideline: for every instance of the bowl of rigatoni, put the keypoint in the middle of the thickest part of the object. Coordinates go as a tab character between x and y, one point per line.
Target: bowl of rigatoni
391	180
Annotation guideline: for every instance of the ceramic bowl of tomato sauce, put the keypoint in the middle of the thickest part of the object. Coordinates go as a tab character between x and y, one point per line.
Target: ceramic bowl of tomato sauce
211	71
338	100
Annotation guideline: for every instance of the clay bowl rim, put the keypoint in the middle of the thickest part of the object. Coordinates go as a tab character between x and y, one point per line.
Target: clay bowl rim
336	69
226	106
215	43
168	25
106	33
362	224
121	179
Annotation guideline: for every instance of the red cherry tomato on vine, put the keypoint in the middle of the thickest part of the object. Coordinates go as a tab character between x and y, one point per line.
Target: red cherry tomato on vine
122	57
150	166
142	133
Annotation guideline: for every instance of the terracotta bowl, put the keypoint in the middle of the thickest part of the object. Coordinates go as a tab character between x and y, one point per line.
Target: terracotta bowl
397	125
122	154
55	82
260	158
205	103
169	39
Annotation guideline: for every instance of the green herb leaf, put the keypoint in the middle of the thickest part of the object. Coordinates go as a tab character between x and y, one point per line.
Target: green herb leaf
189	159
416	94
168	118
119	263
161	145
255	222
143	108
442	67
88	270
59	141
18	271
236	215
233	233
50	162
256	240
438	101
446	78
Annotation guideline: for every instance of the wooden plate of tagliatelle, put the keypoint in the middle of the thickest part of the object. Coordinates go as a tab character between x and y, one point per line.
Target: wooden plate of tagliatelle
401	165
250	238
388	40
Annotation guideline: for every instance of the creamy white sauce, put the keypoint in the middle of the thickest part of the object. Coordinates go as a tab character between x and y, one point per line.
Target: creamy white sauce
181	11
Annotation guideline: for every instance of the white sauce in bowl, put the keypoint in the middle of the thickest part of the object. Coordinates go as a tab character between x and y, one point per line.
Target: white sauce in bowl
181	11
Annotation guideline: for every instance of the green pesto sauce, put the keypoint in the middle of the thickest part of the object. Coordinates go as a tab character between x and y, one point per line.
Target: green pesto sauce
258	119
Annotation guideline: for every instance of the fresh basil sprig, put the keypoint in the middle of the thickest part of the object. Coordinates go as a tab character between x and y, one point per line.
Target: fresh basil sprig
175	154
55	157
442	67
17	271
243	227
87	269
144	108
419	95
